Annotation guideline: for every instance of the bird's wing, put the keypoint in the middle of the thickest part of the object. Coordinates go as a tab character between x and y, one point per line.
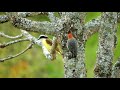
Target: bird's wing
48	41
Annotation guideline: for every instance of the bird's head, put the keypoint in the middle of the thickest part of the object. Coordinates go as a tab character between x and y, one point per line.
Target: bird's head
70	34
42	37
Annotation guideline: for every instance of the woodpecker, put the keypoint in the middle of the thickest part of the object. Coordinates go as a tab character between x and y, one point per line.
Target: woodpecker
47	43
72	44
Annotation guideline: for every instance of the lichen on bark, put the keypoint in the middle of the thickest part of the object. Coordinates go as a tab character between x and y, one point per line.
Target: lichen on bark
74	67
107	32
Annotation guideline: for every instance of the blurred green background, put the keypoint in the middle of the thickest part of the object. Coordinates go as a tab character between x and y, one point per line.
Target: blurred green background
33	63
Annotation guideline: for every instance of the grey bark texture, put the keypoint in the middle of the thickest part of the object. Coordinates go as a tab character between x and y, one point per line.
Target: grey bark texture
106	25
107	33
74	67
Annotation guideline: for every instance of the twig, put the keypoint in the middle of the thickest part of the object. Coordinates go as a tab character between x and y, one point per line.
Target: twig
12	42
13	56
11	37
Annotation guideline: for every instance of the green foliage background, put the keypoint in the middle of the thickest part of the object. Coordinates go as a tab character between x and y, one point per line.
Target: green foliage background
33	63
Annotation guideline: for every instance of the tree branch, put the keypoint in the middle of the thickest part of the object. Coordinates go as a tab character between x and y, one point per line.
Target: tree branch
29	25
28	14
52	17
38	42
11	37
107	32
12	42
13	56
4	18
91	27
44	27
74	67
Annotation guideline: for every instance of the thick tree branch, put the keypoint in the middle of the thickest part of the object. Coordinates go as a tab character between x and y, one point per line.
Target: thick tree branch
28	14
29	25
3	18
10	37
74	67
52	17
106	44
92	27
44	27
13	56
12	42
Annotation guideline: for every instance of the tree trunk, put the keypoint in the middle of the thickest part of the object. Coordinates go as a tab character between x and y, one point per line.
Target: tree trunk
107	34
74	67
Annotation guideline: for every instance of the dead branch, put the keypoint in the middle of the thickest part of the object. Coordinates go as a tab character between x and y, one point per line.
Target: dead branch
10	37
13	56
12	42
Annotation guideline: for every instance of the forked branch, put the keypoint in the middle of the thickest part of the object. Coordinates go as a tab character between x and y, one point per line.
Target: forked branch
12	42
13	56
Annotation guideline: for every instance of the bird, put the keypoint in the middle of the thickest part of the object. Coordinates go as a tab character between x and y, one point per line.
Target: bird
48	43
72	44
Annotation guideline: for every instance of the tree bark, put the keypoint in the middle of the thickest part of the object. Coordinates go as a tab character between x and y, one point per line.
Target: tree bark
106	25
74	67
116	69
107	34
